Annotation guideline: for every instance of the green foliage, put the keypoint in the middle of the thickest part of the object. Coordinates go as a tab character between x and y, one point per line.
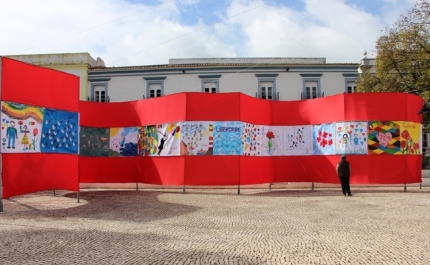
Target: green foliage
403	56
426	162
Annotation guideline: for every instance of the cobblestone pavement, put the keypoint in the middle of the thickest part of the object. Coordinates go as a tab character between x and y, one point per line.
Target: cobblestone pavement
217	226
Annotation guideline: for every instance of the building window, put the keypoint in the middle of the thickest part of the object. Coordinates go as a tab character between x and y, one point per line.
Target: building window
210	83
311	89
99	89
210	87
266	90
267	86
350	83
154	86
350	87
99	94
311	86
426	140
154	90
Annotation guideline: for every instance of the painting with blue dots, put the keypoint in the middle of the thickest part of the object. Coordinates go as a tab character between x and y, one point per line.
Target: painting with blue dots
60	132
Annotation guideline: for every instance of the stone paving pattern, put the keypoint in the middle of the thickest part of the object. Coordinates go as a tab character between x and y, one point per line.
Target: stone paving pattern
217	226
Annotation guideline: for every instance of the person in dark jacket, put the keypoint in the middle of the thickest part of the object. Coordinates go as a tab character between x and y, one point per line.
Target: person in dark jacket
343	170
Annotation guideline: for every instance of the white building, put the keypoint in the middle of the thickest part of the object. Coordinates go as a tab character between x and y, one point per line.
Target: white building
268	78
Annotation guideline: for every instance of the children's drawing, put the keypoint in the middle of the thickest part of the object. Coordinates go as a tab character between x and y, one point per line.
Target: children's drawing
298	140
147	140
323	139
410	133
227	138
21	127
60	132
351	137
271	140
94	141
384	138
169	136
251	139
197	138
123	141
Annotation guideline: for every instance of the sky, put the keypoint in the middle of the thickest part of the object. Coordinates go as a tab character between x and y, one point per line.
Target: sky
147	32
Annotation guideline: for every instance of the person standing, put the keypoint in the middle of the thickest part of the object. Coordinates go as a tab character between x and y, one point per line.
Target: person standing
343	170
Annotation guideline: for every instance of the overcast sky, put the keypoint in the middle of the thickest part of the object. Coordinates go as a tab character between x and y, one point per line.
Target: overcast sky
142	32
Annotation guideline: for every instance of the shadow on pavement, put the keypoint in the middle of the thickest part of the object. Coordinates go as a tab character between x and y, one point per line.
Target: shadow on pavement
135	206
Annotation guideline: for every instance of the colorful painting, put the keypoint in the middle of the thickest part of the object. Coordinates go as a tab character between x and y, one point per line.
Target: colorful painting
271	141
351	138
94	141
147	140
384	138
123	141
227	138
298	140
251	139
410	135
169	136
323	139
60	132
21	127
197	138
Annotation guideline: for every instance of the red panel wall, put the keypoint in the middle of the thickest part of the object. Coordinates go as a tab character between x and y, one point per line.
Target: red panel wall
162	170
22	173
27	173
212	170
38	86
42	87
213	107
108	169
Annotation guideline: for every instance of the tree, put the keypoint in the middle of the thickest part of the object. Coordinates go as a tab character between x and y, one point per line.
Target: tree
403	56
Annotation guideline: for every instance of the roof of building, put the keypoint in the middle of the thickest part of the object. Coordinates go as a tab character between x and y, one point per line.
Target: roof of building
217	64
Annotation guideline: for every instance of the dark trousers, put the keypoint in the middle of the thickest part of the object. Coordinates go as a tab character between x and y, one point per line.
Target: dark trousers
345	185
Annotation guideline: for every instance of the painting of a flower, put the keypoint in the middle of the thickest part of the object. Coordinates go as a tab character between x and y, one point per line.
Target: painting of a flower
270	135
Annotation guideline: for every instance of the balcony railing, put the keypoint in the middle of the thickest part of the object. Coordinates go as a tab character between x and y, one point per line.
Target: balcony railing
311	96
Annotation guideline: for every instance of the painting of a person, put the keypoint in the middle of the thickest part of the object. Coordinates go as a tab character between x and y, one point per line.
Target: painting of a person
162	141
11	135
24	140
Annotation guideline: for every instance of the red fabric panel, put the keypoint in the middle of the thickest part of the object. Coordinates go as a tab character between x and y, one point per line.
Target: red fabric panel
293	169
255	110
256	170
325	110
213	107
108	169
413	170
212	170
108	115
290	112
28	84
377	106
162	170
171	108
323	168
378	169
27	173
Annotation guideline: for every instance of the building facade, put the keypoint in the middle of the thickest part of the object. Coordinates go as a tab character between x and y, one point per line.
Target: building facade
267	78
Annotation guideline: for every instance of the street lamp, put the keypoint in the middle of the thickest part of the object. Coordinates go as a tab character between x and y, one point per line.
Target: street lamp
424	114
